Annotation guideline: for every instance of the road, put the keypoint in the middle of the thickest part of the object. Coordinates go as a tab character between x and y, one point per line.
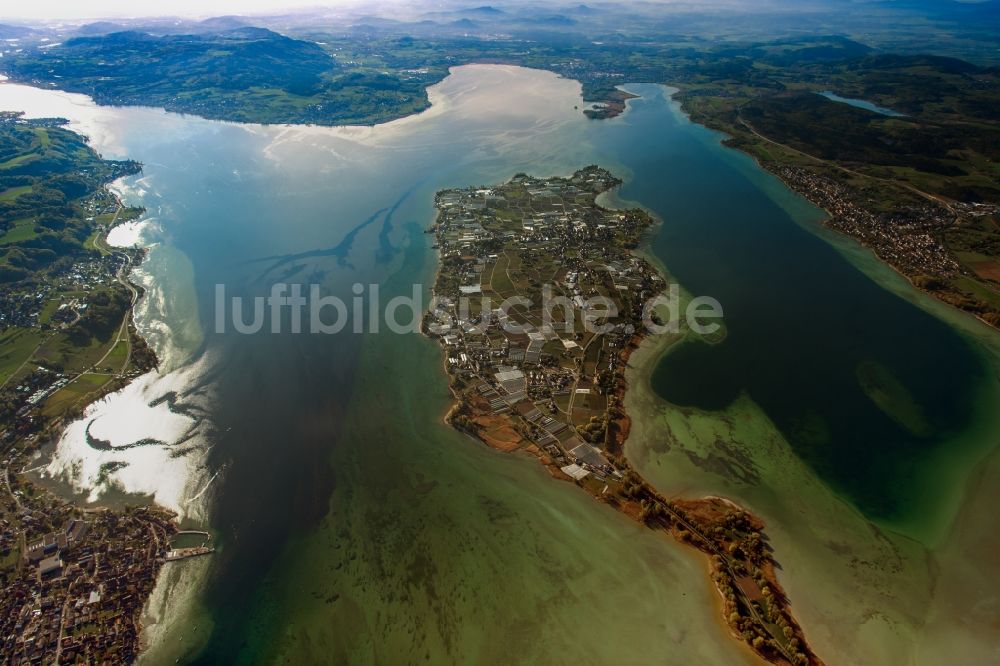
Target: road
6	480
62	621
779	640
26	361
122	277
123	333
926	195
576	382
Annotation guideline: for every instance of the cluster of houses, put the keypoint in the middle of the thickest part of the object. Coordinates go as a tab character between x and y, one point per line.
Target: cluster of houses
38	386
78	591
906	239
528	361
45	554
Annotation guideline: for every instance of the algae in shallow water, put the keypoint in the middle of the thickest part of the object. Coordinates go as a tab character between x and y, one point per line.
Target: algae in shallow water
889	395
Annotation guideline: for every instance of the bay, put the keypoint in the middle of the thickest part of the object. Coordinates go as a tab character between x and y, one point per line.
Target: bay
353	523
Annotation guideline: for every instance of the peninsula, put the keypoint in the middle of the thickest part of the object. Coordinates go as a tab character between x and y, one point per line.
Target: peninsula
539	300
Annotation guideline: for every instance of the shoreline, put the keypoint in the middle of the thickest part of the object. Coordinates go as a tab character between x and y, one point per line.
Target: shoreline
825	225
146	618
851	615
867	260
731	140
880	586
744	595
636	359
137	510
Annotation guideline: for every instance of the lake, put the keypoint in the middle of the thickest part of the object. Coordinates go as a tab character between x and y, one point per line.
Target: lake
862	104
354	525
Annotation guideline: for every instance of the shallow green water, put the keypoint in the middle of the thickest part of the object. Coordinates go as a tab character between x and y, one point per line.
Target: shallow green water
909	578
803	325
351	522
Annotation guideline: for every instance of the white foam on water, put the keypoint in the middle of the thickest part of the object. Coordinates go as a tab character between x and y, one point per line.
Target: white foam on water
166	316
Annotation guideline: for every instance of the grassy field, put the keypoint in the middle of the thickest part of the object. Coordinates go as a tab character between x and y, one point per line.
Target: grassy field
22	230
44	140
12	193
968	285
73	392
501	283
18	161
591	358
63	351
117	357
16	346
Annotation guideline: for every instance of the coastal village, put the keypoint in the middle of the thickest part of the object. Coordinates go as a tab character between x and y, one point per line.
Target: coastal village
73	581
907	241
548	366
79	579
908	238
539	301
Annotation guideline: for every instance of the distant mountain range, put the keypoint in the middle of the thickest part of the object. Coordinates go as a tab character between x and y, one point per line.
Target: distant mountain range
233	59
14	31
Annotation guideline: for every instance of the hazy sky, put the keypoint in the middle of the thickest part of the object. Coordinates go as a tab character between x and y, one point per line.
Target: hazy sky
75	9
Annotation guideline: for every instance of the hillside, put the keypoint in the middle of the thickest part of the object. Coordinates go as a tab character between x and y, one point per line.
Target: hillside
246	74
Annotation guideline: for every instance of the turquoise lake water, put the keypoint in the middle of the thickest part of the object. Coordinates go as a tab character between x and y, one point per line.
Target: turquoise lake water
351	522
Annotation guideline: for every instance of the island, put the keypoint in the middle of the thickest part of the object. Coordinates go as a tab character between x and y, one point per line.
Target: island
897	145
73	580
539	300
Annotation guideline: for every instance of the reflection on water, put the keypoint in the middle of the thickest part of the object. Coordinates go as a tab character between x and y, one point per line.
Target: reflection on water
296	426
150	438
350	520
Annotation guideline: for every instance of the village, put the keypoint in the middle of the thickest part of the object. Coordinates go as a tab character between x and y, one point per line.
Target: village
538	297
906	239
73	580
919	239
538	304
